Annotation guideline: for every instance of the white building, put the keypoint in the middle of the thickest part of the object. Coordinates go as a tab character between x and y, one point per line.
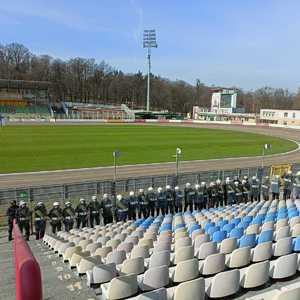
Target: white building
223	101
279	116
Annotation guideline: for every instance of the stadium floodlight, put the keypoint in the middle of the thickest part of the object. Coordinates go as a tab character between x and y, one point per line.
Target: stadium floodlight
265	147
116	155
149	41
177	156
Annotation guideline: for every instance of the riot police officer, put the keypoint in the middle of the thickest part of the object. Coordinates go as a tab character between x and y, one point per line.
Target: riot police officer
189	197
246	187
212	195
12	215
255	189
132	206
81	213
265	188
68	216
161	202
287	185
143	204
220	193
23	219
122	208
40	215
178	199
152	201
170	199
238	191
197	197
296	186
94	211
55	216
230	191
203	193
275	187
107	206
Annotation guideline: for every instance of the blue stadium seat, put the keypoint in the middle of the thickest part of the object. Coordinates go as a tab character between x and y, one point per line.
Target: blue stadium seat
179	226
235	221
219	236
270	217
265	236
193	228
236	233
296	244
243	224
247	219
228	227
212	230
222	223
248	240
208	225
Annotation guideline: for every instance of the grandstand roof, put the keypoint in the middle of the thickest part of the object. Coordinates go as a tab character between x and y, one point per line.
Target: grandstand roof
24	84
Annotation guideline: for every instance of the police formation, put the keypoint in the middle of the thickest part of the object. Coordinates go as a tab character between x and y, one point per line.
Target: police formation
152	203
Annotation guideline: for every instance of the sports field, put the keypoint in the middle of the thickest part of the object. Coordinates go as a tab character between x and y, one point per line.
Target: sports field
36	148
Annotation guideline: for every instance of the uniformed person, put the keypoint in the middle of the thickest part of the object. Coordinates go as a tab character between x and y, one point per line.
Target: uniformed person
246	188
142	204
170	199
132	206
161	202
152	201
23	219
287	185
255	189
212	195
189	197
296	186
197	197
204	195
94	211
81	214
238	191
122	208
107	206
11	214
55	215
275	187
68	216
40	215
220	193
230	192
265	188
178	199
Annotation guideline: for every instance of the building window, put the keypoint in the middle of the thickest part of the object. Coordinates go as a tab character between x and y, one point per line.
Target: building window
286	115
294	115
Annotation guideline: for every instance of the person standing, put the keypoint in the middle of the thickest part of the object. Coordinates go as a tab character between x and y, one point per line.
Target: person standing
122	208
255	189
296	186
230	191
40	215
170	199
55	215
11	214
179	199
265	188
275	187
287	185
189	197
23	219
161	202
143	204
107	207
220	193
68	216
152	200
81	214
94	211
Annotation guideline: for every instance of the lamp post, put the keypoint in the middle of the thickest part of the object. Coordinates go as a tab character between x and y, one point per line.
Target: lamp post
265	147
177	157
149	41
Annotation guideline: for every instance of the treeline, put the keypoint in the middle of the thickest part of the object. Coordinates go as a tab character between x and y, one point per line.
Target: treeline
81	79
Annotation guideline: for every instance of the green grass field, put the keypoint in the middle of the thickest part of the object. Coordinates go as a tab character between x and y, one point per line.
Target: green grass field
35	148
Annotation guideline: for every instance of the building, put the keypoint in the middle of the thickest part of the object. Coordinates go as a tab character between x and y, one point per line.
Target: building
281	117
223	101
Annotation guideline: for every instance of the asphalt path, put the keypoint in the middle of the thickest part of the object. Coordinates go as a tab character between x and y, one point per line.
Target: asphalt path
132	171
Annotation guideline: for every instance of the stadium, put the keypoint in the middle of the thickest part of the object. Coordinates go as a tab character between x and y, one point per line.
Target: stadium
119	185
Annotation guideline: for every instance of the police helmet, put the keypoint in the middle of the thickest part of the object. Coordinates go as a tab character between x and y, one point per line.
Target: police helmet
40	204
266	177
290	172
211	184
298	173
218	181
22	203
176	188
82	200
105	196
150	189
253	177
131	193
187	185
227	180
245	177
203	183
244	181
94	198
236	183
13	202
68	203
159	189
168	187
56	204
197	186
119	197
141	191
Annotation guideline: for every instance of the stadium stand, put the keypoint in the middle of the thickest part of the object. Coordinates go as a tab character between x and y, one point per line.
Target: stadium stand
217	252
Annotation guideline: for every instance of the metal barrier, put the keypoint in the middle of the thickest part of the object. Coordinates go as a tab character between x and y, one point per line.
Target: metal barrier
28	273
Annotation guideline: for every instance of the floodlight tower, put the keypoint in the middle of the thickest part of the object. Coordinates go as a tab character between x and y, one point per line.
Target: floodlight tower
149	42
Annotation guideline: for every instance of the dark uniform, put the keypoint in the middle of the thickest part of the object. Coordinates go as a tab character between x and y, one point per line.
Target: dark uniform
275	187
152	201
107	206
40	215
81	214
122	208
55	215
94	211
255	189
246	189
220	190
23	219
230	193
189	197
132	206
238	190
143	205
265	188
161	202
287	186
179	199
212	195
68	216
12	215
170	200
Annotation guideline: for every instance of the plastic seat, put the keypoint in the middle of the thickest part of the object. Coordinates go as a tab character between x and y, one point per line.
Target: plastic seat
282	232
261	252
87	263
265	236
228	227
116	256
219	236
296	244
247	240
76	258
154	278
159	259
238	258
140	251
296	230
283	246
125	246
132	266
184	271
253	229
236	233
183	242
228	245
283	267
158	294
212	230
212	264
183	253
103	251
206	249
200	239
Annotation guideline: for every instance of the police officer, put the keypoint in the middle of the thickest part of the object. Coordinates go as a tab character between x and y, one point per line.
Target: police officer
151	199
287	185
122	208
81	213
132	205
203	192
170	199
178	199
189	197
255	189
275	187
230	192
107	206
68	216
161	202
94	211
265	188
40	215
55	215
246	188
296	186
212	194
197	197
142	204
23	219
12	215
238	191
220	193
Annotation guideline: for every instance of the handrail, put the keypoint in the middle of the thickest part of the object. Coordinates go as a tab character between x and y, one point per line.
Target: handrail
28	274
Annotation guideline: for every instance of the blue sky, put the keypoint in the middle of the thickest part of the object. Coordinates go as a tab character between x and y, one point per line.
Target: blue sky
245	43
